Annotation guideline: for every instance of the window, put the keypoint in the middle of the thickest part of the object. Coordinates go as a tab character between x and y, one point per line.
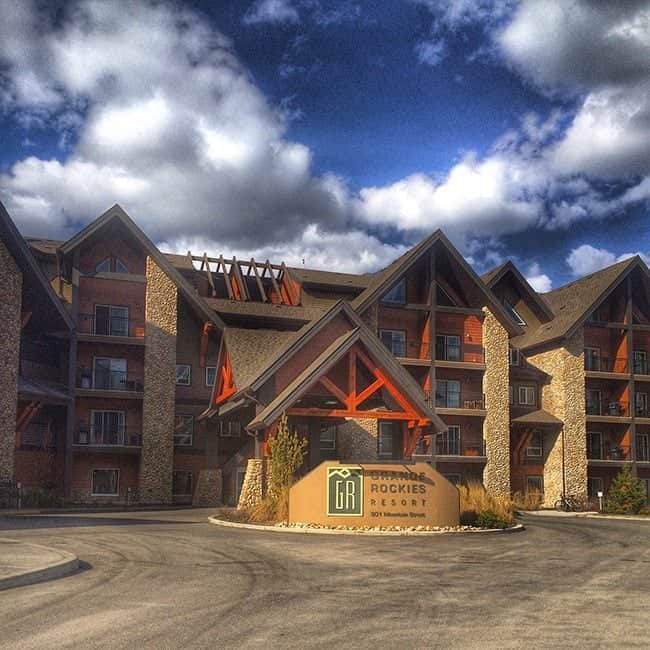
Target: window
327	437
385	440
182	482
395	341
535	446
514	313
448	394
111	320
592	359
646	484
107	427
183	374
210	375
106	482
109	373
592	401
527	395
514	356
104	266
511	394
448	442
120	267
448	347
111	264
443	298
640	362
594	486
641	404
229	428
183	430
643	447
397	294
535	483
594	445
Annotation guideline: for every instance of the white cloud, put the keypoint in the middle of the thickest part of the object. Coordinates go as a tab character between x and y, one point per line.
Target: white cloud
586	259
271	11
538	280
431	52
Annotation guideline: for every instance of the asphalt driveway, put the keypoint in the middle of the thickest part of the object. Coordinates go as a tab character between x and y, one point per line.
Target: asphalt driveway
168	579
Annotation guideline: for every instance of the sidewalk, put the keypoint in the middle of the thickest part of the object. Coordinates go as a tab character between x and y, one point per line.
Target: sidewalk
590	514
24	564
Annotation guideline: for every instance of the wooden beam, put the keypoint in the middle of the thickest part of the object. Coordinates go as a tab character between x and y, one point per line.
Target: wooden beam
226	277
352	379
290	285
274	282
344	413
366	393
209	274
239	278
258	281
334	389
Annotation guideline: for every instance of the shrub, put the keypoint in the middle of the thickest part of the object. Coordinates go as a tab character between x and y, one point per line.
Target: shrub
475	501
626	494
529	500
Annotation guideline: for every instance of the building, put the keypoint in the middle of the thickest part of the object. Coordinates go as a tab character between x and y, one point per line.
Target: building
135	376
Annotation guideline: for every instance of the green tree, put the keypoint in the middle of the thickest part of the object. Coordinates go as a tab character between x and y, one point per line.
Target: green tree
287	451
626	494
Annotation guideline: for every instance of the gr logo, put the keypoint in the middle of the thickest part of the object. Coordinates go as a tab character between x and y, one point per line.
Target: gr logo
345	491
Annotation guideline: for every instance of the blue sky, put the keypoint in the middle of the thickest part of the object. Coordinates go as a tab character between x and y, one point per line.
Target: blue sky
338	133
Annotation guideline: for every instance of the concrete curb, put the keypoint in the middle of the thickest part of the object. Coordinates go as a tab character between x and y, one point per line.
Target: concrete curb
64	565
583	515
379	533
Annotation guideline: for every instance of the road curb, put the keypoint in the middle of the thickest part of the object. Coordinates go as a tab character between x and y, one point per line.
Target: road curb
378	533
582	515
68	563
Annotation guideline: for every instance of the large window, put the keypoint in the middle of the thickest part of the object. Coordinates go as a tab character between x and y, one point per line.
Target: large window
229	428
385	439
527	396
183	430
535	446
111	320
110	374
183	374
448	394
592	359
640	362
395	341
107	427
111	264
514	356
448	347
514	313
106	482
592	401
448	442
397	294
327	437
182	483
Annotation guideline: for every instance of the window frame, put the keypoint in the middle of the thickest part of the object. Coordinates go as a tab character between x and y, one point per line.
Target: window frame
325	427
207	369
515	314
385	299
446	347
380	435
535	477
599	481
597	356
446	438
177	434
446	383
104	494
189	369
110	319
514	356
116	261
595	391
526	388
644	400
392	332
646	445
121	425
590	435
643	358
106	260
223	433
535	450
110	371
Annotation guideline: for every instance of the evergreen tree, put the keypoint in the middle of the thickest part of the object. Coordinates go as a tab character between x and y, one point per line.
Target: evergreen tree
626	494
287	451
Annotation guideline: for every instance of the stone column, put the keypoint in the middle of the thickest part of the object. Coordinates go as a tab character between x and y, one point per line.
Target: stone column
209	488
254	487
564	397
357	439
11	282
157	460
496	426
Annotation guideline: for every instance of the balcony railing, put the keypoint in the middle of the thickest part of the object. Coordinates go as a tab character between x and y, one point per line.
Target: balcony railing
417	349
606	364
119	326
605	452
100	379
615	408
640	367
472	401
454	448
93	436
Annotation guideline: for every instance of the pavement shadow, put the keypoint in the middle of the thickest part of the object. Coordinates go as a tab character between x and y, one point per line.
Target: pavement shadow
35	522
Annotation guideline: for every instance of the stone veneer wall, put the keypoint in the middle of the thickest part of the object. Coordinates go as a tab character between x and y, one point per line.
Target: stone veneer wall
255	484
11	282
209	488
357	439
157	457
496	426
564	397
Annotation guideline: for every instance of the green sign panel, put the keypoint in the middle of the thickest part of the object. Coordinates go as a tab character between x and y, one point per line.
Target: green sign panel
345	491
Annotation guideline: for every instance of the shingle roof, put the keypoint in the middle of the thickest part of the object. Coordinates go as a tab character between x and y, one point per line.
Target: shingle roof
330	278
224	306
44	246
490	275
45	391
573	302
537	417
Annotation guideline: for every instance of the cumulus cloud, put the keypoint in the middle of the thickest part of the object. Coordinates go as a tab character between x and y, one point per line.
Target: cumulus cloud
586	259
539	281
271	11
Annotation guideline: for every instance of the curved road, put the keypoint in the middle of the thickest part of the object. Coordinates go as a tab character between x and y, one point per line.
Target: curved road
168	579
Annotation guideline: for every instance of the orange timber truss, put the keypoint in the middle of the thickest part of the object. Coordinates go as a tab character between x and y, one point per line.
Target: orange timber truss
353	398
225	381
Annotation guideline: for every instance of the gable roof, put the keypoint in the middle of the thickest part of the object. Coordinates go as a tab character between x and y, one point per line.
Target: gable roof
328	358
186	290
573	302
319	278
491	278
388	276
21	252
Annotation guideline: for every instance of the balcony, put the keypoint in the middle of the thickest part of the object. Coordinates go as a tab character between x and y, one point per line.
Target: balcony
617	365
459	403
417	352
100	379
607	408
90	436
110	328
616	452
450	447
642	448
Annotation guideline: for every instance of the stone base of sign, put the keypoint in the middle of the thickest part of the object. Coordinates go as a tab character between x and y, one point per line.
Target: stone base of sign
254	487
209	488
375	495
